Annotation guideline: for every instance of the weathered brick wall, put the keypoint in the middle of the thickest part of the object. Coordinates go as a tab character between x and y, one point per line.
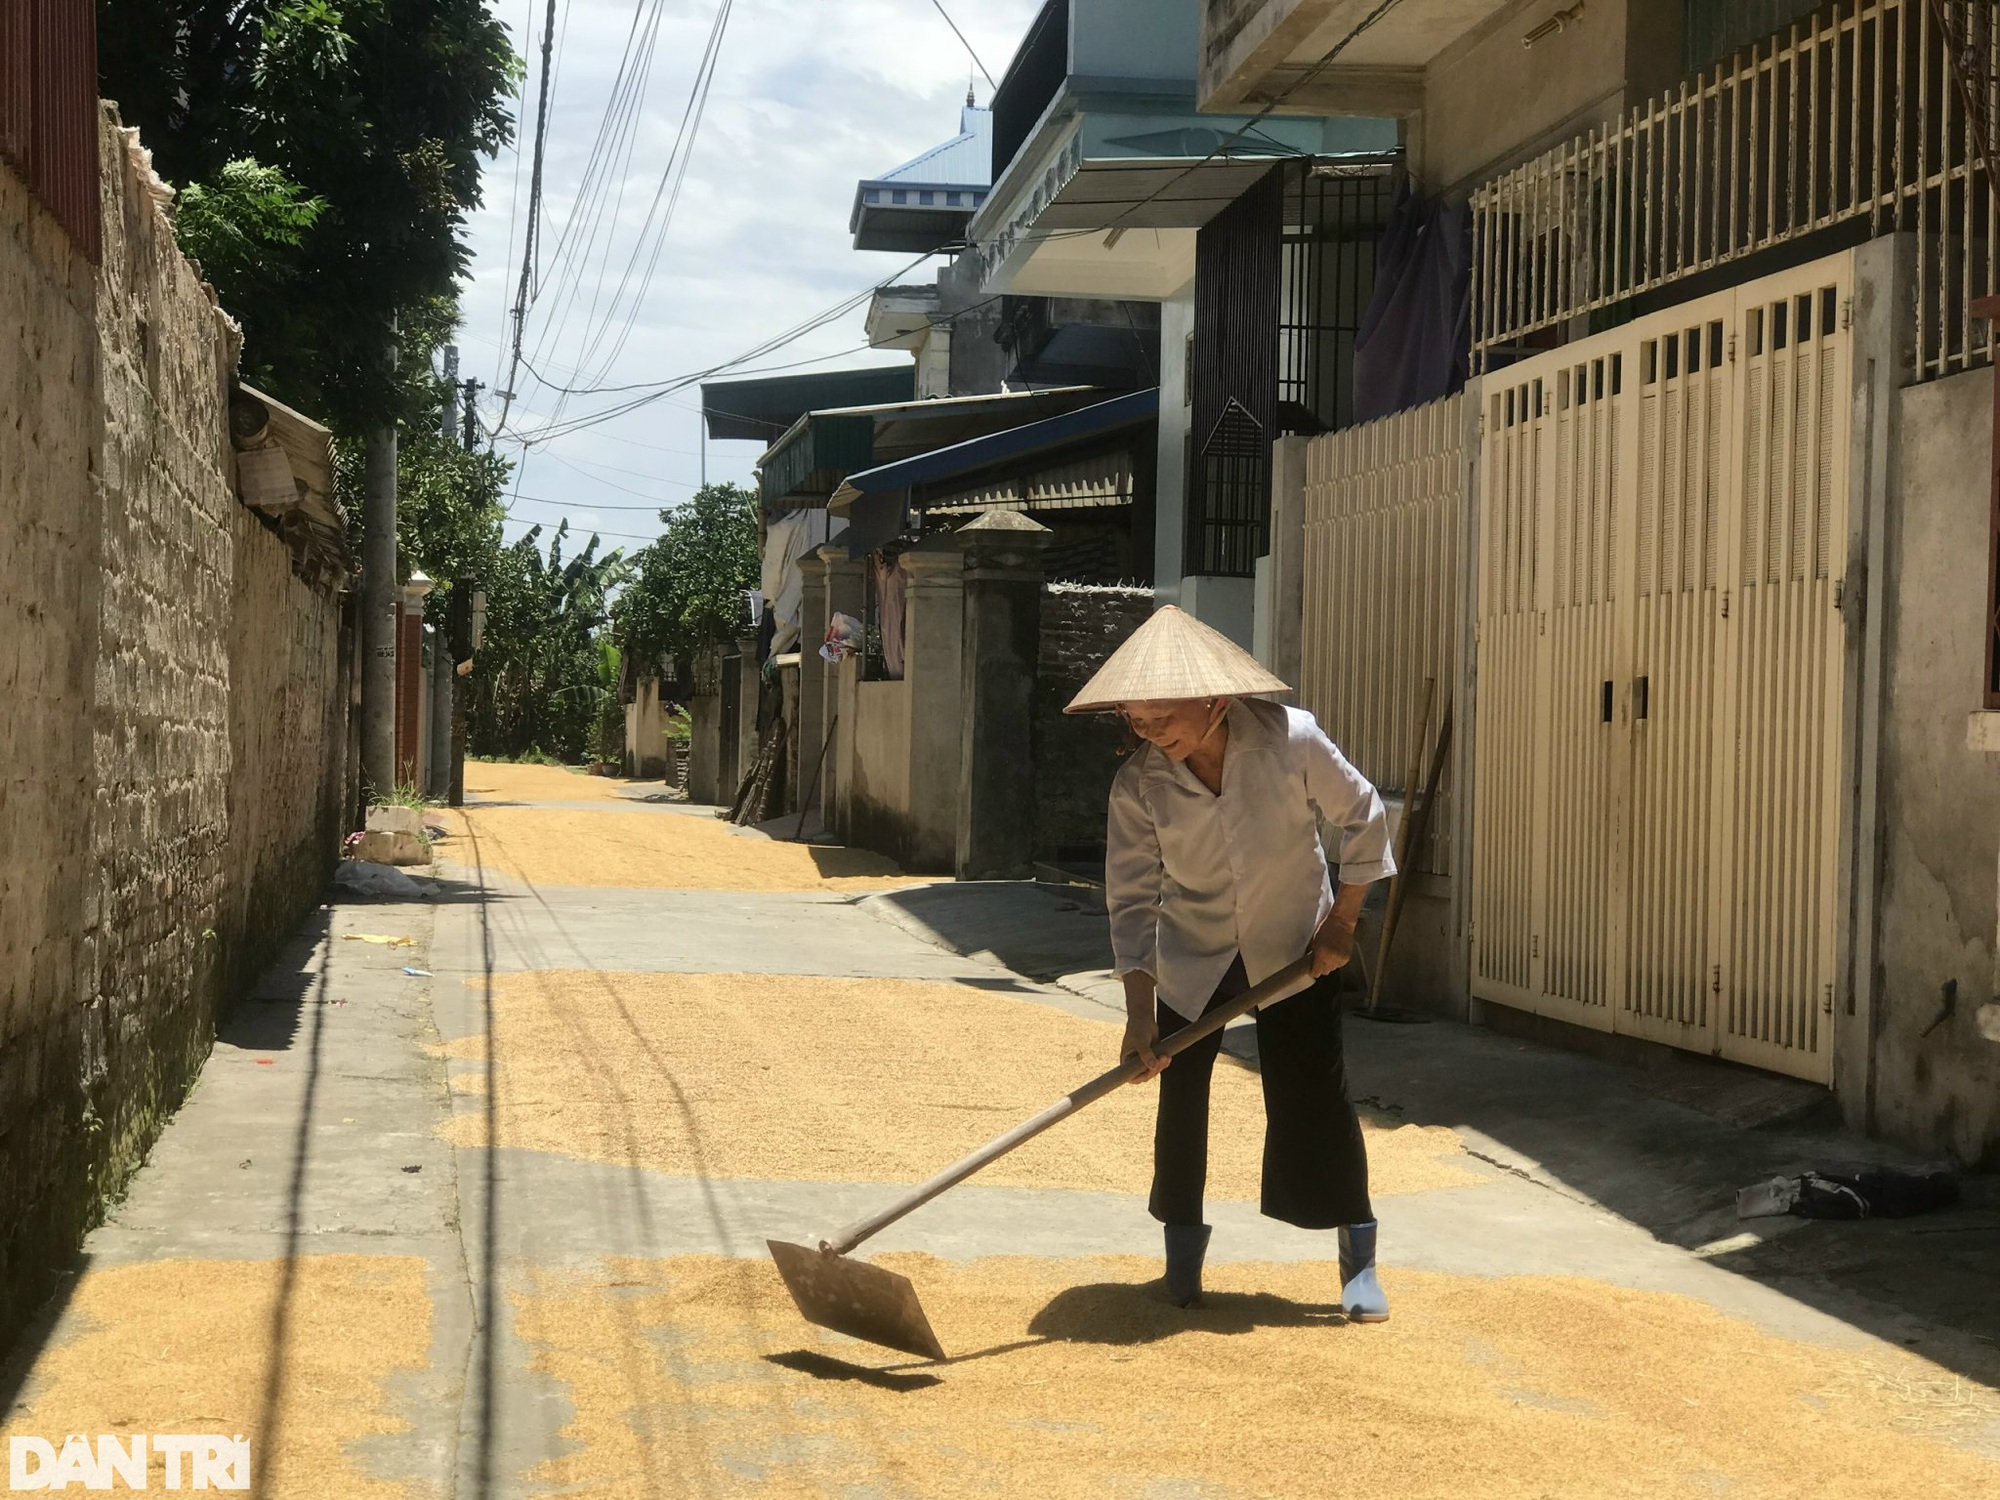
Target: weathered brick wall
287	747
160	826
1077	755
49	421
175	726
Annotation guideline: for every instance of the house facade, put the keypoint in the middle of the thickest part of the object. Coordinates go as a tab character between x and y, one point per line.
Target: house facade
1714	512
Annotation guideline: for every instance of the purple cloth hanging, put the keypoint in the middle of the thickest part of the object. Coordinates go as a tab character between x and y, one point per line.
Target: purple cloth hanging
1415	340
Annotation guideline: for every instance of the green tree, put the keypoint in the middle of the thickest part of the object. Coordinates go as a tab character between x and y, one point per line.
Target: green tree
687	588
373	113
545	675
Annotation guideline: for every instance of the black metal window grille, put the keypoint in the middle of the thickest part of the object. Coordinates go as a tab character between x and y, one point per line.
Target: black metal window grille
1228	531
1236	303
1332	226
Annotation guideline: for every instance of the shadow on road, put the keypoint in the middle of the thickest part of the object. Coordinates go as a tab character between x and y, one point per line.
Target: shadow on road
1124	1312
825	1367
1661	1139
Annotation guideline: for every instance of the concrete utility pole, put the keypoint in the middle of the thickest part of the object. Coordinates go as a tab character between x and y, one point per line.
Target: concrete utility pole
449	425
379	600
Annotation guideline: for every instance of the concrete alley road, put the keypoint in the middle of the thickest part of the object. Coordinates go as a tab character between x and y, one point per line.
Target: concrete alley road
497	1229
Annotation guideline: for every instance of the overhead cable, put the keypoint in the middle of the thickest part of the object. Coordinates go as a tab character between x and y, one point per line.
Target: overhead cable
964	43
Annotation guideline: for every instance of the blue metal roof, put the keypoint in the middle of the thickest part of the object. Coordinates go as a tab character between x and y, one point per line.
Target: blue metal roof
966	160
1015	442
928	200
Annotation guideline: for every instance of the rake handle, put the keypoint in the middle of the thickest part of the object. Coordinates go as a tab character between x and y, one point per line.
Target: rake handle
1063	1108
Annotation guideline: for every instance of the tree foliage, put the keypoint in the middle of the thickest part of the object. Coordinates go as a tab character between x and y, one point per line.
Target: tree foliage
687	590
331	153
547	673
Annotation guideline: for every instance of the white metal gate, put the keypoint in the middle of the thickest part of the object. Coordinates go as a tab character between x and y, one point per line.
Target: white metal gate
1384	513
1662	526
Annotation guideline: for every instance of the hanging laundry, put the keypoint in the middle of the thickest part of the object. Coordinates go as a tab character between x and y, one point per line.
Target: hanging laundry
891	612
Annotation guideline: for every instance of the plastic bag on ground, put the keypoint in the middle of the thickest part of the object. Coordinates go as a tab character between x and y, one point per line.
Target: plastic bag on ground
359	877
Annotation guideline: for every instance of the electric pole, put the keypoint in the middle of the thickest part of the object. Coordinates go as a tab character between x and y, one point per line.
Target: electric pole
471	388
380	615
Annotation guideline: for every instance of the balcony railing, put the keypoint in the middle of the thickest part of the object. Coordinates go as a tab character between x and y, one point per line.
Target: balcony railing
1869	117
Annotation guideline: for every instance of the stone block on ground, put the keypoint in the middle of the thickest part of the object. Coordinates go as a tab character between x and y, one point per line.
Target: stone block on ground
396	820
384	847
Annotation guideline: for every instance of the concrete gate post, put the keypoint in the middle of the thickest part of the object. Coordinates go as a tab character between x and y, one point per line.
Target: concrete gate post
749	682
844	594
1003	628
811	726
933	664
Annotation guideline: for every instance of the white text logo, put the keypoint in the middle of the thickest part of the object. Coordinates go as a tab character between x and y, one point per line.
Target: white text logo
201	1462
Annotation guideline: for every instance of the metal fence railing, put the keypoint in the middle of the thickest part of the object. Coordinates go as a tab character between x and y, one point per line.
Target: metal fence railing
1869	116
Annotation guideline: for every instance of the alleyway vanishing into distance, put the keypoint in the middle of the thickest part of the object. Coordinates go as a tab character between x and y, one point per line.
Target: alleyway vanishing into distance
471	1201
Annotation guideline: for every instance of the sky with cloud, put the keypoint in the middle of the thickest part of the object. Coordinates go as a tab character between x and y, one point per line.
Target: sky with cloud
808	98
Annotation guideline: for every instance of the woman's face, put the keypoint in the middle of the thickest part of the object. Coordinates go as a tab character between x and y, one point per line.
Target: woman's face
1177	725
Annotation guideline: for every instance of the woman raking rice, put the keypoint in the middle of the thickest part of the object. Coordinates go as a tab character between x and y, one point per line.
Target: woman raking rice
1216	878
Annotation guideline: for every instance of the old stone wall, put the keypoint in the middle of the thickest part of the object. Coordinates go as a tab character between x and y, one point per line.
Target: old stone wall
50	424
174	734
288	742
159	830
1077	755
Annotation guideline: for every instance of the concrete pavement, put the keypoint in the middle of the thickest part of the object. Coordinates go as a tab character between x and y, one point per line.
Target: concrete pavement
448	1216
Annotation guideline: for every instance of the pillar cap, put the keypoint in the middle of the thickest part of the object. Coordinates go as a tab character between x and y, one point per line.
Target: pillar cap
1019	522
1003	544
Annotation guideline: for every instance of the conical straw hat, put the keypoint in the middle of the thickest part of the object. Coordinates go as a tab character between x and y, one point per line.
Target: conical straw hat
1174	655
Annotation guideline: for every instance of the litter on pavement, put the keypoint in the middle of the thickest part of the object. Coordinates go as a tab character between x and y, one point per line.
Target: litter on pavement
362	877
1872	1193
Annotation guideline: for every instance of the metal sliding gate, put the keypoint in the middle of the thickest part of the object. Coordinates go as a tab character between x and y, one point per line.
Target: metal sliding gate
1663	524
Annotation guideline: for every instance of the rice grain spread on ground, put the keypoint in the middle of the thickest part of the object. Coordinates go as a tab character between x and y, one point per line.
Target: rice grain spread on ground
677	1072
1071	1381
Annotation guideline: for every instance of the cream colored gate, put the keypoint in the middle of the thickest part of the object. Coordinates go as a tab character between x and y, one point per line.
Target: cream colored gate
1384	513
1662	515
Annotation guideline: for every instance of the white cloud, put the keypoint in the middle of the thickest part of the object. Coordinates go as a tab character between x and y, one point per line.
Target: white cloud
809	97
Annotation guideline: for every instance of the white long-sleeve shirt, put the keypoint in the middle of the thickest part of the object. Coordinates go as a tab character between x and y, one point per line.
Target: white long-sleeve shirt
1194	877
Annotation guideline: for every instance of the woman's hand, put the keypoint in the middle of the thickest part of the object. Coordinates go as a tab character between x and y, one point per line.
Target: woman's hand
1142	1034
1332	945
1142	1025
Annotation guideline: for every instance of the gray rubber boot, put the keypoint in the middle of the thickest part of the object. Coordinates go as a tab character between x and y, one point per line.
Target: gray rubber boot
1187	1245
1361	1295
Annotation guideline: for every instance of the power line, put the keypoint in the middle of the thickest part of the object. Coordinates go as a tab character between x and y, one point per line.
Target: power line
579	505
534	203
604	178
671	181
964	43
558	427
628	536
1308	76
624	489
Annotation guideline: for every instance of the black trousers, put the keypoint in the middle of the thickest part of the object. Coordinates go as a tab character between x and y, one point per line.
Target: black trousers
1315	1165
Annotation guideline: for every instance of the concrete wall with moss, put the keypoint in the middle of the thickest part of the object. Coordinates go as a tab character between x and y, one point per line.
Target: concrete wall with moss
174	737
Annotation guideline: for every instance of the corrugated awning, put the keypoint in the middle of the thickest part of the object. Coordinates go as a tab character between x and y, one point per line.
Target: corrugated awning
822	448
764	409
1105	479
1016	443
